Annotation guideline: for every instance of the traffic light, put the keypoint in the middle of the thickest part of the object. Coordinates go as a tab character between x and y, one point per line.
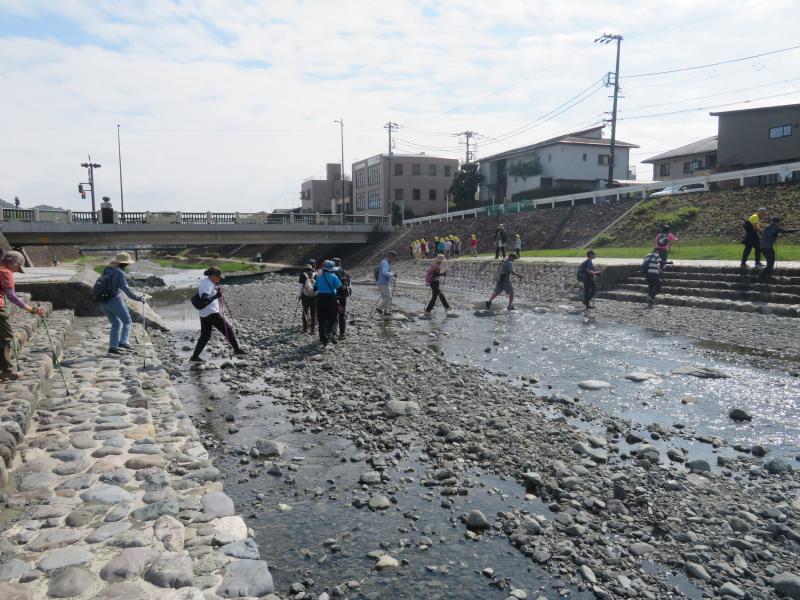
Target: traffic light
81	192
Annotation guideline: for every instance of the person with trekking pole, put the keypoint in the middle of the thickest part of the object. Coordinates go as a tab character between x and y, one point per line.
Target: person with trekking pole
433	277
110	290
342	294
207	301
10	263
307	297
327	285
385	279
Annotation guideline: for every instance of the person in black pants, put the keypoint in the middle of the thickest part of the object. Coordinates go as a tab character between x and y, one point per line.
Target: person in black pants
342	294
326	285
752	230
589	273
210	293
433	279
500	239
769	238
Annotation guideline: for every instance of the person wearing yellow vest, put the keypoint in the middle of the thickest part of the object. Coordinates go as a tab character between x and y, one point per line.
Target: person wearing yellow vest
752	232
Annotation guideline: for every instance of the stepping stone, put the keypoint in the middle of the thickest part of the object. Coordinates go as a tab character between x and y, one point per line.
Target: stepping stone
107	531
218	504
71	582
33	482
246	578
594	384
638	376
130	563
53	538
106	494
65	557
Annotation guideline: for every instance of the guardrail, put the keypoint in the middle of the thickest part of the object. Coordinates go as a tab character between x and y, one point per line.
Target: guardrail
187	218
783	171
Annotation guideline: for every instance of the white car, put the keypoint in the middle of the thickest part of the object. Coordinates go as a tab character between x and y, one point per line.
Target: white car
675	190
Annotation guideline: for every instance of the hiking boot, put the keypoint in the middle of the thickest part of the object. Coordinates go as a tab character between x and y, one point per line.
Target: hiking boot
124	346
758	265
197	359
342	336
115	351
239	352
488	305
333	340
512	307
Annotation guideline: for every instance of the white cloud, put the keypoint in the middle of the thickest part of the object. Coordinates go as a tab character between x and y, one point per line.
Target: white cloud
228	105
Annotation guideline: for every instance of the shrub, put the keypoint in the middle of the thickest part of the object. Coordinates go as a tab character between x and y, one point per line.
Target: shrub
677	218
604	239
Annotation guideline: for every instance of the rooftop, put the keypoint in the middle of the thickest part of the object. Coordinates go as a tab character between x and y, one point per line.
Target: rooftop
703	146
589	137
763	108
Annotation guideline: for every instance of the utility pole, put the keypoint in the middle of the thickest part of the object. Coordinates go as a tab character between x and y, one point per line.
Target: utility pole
121	196
91	167
340	121
468	135
391	126
607	38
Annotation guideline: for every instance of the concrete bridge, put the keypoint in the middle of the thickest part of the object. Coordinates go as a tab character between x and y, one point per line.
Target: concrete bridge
53	228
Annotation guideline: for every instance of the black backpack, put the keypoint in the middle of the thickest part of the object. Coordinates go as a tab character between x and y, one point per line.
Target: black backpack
103	289
580	274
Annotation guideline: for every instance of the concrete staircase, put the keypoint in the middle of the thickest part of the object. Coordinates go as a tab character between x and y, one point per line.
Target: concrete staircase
718	288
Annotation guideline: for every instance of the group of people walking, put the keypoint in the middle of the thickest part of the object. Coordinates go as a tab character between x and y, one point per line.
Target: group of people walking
322	295
449	246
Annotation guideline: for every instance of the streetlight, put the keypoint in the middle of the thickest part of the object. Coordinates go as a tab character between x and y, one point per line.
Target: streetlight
604	39
341	175
91	166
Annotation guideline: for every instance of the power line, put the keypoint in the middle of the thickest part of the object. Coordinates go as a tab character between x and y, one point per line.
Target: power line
722	62
676	112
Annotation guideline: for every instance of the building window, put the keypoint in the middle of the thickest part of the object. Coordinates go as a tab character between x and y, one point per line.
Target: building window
602	160
416	195
432	170
692	166
415	169
447	170
432	195
398	195
373	174
663	170
361	200
398	168
584	157
780	132
360	178
374	199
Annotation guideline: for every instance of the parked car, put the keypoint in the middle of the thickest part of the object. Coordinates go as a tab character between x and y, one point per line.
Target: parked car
675	190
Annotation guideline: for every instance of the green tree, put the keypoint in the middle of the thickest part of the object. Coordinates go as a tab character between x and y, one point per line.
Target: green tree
524	169
465	186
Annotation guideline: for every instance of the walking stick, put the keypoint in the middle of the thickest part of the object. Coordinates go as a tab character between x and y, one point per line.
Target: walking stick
13	339
144	323
55	355
222	308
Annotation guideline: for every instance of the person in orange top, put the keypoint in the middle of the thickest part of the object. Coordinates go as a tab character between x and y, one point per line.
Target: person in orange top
10	263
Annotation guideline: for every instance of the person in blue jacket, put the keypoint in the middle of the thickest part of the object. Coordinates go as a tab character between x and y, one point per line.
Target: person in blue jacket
327	285
115	309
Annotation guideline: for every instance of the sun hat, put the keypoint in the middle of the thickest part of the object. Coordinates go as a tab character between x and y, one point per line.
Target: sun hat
123	258
439	258
328	266
15	257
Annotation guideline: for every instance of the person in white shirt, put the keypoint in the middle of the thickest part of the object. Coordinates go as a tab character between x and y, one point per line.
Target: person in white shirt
210	293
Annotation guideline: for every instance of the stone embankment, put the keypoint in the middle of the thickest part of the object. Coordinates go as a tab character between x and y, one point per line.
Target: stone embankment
111	495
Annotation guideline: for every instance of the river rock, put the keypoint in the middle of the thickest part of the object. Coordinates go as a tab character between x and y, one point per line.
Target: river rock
14	569
594	384
370	477
65	557
107	531
640	548
72	581
218	504
697	571
787	584
37	481
638	376
169	531
777	465
270	448
53	538
379	503
171	571
106	494
145	461
122	591
701	372
244	549
401	408
229	529
739	414
476	520
246	578
698	465
386	562
130	563
730	589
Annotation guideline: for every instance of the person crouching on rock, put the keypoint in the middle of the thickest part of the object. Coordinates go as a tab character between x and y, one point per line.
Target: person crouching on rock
433	278
308	298
11	263
210	291
504	283
115	308
327	285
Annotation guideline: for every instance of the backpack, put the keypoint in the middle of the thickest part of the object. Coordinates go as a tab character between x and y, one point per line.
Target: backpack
345	291
429	275
308	288
662	240
103	289
376	272
199	302
580	274
646	264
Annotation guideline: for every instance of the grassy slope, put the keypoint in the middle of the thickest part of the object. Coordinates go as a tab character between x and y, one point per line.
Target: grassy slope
679	251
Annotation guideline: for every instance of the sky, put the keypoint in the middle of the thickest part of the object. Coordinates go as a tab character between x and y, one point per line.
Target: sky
228	105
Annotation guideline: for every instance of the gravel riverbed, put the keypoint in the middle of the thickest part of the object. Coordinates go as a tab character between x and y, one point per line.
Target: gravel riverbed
606	508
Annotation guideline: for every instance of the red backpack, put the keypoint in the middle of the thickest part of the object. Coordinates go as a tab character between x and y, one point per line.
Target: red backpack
429	274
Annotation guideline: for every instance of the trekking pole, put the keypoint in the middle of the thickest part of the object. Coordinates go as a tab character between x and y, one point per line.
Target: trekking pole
13	340
222	308
55	355
144	323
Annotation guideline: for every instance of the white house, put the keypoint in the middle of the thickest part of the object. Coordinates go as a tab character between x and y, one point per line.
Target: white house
577	160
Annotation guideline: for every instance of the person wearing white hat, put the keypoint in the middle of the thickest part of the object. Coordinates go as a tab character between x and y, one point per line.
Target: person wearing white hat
10	263
114	306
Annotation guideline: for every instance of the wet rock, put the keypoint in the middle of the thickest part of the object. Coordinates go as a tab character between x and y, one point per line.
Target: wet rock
270	448
594	384
386	562
246	578
777	465
72	581
701	372
739	414
698	465
787	584
759	450
638	376
477	521
379	503
370	477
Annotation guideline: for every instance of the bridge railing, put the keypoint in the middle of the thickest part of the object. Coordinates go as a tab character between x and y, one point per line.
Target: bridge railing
18	214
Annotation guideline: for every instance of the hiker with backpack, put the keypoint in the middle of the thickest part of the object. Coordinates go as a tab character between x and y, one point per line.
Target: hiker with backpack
308	299
500	239
108	290
752	241
664	240
769	238
504	283
207	301
327	285
384	279
11	262
433	276
586	274
652	267
342	294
